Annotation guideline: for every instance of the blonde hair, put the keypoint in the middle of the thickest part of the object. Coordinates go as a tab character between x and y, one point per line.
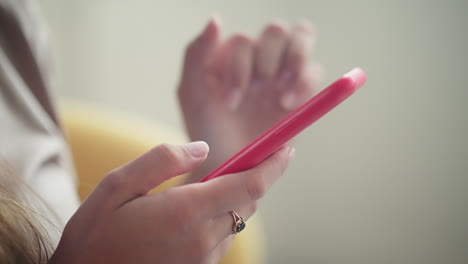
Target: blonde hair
22	238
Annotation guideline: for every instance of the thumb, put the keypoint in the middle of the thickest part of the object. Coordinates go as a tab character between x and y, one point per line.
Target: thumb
161	163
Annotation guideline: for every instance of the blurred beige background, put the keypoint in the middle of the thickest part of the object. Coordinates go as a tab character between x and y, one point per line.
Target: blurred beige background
382	179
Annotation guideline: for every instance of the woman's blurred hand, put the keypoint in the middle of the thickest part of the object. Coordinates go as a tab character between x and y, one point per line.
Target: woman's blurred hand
233	90
121	223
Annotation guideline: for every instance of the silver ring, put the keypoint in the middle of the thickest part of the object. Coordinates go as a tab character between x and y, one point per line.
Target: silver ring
239	223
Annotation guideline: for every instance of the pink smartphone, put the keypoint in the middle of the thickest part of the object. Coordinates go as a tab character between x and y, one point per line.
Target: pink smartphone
304	116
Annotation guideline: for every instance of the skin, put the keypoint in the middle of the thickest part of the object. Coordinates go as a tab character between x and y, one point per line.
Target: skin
233	89
121	223
230	91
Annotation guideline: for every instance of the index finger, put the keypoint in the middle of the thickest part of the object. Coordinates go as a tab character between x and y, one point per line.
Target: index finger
236	190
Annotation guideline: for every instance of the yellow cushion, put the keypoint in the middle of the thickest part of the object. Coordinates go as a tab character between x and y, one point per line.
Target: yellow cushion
103	139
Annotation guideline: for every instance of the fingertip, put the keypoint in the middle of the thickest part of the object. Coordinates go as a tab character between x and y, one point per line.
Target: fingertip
213	26
289	100
301	45
276	27
280	22
216	20
197	149
306	26
201	49
241	40
212	30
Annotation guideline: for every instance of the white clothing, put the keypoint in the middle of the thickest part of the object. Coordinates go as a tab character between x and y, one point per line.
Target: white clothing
31	140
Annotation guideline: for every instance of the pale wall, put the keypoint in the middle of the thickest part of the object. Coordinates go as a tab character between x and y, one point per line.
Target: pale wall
383	179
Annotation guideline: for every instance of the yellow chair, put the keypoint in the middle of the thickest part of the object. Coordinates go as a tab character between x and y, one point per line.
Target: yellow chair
103	139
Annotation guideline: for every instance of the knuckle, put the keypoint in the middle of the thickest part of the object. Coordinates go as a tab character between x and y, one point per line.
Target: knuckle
256	186
170	153
113	181
276	28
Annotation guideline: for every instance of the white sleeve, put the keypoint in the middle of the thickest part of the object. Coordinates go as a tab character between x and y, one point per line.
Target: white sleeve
31	142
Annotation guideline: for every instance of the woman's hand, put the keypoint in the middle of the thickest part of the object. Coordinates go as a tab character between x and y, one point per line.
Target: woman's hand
121	223
233	90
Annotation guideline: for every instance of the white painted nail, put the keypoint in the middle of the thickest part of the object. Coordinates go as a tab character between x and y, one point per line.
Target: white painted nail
197	149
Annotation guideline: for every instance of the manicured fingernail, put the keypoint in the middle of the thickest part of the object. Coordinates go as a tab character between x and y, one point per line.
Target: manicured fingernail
234	98
197	149
288	101
291	153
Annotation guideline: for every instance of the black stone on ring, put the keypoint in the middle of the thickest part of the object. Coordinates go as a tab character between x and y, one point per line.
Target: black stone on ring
239	223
